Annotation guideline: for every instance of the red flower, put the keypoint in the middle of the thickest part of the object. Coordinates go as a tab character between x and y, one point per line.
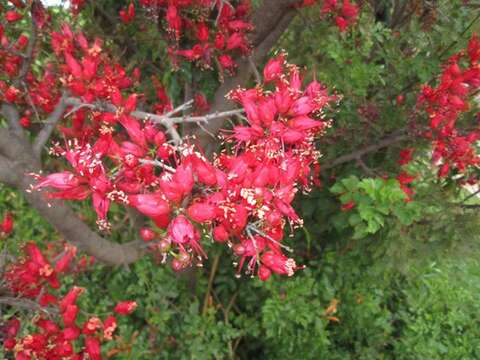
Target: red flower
147	234
109	326
128	15
64	262
279	263
92	348
152	205
12	16
71	333
341	23
202	32
6	227
25	122
11	94
220	234
400	100
201	103
348	206
404	178
69	316
405	156
274	68
201	212
71	297
125	307
264	273
92	325
181	231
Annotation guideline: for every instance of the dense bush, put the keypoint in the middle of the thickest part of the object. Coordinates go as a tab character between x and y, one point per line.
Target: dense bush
389	241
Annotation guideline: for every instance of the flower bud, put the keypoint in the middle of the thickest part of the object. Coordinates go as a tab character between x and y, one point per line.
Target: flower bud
147	234
264	273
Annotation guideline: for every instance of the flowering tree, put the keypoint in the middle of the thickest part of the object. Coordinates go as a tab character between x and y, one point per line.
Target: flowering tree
187	171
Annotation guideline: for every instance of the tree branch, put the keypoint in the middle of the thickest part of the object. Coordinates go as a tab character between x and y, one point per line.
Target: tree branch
164	120
49	126
77	232
6	175
12	115
28	58
205	118
396	137
26	304
20	162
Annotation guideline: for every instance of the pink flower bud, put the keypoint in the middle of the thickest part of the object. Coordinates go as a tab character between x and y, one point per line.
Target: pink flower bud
25	122
264	273
183	177
63	263
150	204
70	315
201	212
92	348
181	231
204	170
62	181
71	297
239	249
177	265
274	68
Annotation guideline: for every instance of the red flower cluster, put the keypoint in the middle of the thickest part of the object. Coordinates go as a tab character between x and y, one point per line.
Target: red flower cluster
215	30
243	197
10	60
37	92
60	335
453	149
34	275
343	12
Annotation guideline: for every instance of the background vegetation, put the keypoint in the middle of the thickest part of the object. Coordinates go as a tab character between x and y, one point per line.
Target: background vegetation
387	280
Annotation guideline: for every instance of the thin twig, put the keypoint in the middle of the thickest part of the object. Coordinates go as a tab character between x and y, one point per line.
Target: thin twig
165	120
28	59
158	163
182	107
364	167
30	101
475	193
210	284
397	137
49	126
205	118
24	304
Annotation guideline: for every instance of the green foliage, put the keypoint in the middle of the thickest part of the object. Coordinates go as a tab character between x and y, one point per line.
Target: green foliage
429	311
405	274
375	200
293	309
